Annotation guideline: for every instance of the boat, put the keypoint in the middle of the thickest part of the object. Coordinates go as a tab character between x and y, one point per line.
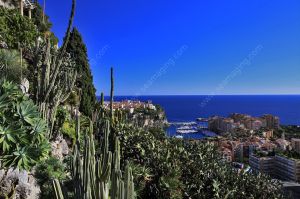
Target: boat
183	123
202	128
200	119
186	128
178	136
188	131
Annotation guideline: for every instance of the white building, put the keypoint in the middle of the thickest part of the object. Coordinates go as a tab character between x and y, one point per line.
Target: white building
24	5
280	167
287	169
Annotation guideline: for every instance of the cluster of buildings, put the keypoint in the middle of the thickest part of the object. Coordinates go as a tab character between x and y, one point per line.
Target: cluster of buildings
243	121
279	167
130	105
282	166
278	158
261	155
239	150
138	113
276	165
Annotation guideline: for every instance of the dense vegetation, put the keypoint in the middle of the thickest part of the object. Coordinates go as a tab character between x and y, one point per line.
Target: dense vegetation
15	30
108	152
84	82
11	67
22	130
172	168
289	131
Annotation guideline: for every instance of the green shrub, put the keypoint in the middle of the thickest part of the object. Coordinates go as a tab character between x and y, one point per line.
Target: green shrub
10	65
68	130
46	171
60	118
23	140
68	125
15	29
171	168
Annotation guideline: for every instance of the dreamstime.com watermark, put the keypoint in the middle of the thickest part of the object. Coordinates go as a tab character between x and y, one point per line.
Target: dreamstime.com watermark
234	73
100	54
163	70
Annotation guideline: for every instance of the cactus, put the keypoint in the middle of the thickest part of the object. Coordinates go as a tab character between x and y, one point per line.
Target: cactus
57	189
98	177
102	99
129	185
111	93
54	74
102	111
121	189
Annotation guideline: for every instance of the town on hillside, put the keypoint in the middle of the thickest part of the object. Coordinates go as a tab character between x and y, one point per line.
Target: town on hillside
258	144
139	113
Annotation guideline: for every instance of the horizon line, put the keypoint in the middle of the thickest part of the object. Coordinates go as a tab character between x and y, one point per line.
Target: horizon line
202	95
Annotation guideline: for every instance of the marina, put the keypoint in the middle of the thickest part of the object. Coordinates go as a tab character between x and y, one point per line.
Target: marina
190	130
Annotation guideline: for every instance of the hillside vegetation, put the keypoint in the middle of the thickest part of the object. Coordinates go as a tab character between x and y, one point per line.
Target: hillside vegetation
53	128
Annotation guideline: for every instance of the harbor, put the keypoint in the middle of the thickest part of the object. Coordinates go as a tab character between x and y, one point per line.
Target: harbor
197	129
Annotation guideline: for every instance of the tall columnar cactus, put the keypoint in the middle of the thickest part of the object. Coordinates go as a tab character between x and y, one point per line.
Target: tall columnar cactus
112	84
102	110
98	176
102	99
121	189
55	74
57	188
128	183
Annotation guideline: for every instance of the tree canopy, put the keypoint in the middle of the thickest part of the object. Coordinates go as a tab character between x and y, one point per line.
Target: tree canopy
15	30
84	82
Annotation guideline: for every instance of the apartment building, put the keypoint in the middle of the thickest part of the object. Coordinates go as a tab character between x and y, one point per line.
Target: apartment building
262	164
280	167
236	120
272	122
295	145
253	123
287	169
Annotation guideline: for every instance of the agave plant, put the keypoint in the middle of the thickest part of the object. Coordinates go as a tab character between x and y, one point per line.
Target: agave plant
27	111
22	130
7	137
20	158
39	127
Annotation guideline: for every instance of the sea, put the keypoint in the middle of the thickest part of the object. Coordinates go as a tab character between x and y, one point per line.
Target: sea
181	108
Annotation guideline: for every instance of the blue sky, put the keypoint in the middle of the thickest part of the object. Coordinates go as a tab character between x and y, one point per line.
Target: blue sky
189	47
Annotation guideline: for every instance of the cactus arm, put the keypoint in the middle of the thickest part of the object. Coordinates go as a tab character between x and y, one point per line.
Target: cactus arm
70	86
59	59
67	37
46	66
57	189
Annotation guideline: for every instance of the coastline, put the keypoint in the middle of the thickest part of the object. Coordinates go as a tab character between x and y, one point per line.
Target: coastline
186	108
